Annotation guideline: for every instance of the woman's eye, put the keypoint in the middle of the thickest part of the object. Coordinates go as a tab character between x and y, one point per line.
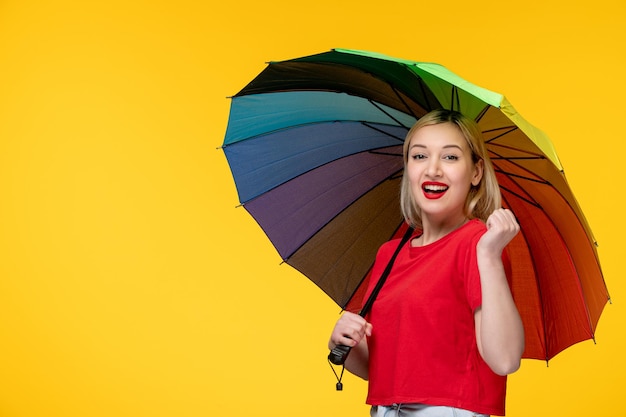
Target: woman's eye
419	156
451	157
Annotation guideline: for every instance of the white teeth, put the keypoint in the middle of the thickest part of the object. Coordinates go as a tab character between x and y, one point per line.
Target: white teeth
435	188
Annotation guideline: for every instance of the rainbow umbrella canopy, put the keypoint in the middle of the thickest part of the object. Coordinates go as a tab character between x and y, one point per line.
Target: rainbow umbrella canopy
315	148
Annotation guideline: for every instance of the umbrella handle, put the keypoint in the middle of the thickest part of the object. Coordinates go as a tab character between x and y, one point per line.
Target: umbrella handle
339	354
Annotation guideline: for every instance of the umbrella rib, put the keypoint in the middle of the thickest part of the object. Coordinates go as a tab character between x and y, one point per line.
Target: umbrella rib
481	114
367	124
510	174
507	129
531	155
515	158
518	158
387	113
454	99
532	203
427	105
397	93
385	153
425	94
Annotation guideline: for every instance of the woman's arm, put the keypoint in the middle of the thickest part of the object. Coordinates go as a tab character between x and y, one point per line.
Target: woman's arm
499	329
351	330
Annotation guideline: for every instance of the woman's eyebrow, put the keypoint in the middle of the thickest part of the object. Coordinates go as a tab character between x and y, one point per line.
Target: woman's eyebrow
452	145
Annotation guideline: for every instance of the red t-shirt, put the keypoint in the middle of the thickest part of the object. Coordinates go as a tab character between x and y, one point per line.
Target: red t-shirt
423	345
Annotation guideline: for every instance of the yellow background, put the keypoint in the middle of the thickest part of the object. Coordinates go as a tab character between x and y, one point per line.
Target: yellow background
130	285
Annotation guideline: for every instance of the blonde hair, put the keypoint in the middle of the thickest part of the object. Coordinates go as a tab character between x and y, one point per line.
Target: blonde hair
483	198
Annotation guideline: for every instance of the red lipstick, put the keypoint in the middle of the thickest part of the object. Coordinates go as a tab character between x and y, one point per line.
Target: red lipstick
434	190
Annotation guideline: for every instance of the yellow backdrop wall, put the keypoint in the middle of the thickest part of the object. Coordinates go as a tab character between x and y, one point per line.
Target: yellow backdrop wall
130	285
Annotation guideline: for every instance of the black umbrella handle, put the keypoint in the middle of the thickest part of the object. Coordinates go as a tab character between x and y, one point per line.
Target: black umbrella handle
339	354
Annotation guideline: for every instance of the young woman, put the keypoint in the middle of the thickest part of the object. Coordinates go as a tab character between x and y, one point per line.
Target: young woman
444	331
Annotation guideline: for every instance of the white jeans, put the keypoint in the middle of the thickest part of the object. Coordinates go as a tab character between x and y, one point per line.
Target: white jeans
420	410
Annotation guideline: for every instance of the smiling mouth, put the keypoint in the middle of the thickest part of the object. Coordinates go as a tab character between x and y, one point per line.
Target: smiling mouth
434	190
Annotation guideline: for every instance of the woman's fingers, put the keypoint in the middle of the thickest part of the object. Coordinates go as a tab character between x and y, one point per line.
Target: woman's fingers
502	227
350	329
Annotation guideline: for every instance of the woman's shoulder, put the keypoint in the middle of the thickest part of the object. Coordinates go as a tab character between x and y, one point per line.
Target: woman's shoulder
387	248
471	232
476	226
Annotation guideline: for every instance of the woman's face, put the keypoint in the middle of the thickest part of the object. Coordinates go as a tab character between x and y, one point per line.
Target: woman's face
441	171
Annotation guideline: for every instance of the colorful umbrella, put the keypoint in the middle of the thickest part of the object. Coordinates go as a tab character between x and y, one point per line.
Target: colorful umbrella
315	148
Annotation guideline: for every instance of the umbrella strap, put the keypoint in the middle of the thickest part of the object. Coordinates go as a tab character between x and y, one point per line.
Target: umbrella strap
339	377
368	304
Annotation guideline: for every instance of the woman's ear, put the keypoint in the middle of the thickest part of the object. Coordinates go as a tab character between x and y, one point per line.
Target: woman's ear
478	172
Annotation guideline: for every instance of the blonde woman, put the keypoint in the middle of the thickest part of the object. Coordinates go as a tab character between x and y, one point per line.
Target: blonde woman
444	331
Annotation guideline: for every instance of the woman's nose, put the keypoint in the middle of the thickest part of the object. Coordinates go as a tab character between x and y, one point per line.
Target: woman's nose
433	169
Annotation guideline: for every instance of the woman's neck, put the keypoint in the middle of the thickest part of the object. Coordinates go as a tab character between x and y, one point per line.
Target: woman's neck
433	231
